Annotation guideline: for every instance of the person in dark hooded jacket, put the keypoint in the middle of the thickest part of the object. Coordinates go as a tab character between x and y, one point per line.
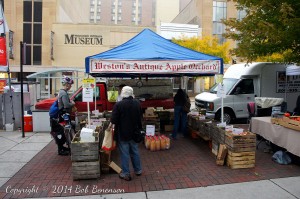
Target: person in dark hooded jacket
127	117
180	116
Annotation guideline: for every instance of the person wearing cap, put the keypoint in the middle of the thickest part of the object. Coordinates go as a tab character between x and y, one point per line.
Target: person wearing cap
127	116
64	101
65	105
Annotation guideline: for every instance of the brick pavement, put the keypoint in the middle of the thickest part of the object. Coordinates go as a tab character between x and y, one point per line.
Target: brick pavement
189	163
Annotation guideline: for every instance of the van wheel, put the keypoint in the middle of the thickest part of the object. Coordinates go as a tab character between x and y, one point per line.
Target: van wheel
228	116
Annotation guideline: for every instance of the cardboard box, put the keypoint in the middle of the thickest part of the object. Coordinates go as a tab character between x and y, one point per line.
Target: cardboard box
169	128
149	111
115	167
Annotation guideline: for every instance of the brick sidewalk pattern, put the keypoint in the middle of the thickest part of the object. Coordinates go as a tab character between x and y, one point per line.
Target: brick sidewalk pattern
189	163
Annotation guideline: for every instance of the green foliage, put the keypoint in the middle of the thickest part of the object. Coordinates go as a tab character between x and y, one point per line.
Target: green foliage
270	28
207	45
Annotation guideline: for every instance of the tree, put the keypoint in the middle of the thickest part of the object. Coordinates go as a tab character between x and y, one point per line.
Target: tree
270	26
208	45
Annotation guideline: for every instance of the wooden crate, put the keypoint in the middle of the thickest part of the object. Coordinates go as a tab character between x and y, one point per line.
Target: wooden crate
240	160
84	151
85	170
163	115
192	131
215	148
204	128
290	123
216	133
155	122
240	143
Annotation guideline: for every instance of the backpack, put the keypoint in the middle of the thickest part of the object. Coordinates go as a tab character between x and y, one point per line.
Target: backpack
54	110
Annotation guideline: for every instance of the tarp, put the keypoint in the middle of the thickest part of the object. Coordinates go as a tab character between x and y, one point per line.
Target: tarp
148	54
293	70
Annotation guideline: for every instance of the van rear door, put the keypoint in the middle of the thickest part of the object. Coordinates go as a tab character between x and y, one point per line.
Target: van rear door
242	94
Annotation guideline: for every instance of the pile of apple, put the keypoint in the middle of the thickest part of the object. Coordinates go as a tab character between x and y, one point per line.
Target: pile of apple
288	115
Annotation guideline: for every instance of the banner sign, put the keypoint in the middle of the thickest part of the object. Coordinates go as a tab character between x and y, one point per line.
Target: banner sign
287	84
155	66
3	57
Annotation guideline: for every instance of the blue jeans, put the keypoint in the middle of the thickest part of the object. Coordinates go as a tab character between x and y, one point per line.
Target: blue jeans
129	150
180	118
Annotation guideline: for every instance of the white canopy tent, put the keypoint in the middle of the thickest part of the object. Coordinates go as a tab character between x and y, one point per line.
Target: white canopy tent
291	70
54	74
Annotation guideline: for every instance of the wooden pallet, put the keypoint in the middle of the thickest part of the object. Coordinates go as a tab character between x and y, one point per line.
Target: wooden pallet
240	160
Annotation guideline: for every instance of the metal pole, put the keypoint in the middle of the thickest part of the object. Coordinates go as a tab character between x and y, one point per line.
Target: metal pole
21	77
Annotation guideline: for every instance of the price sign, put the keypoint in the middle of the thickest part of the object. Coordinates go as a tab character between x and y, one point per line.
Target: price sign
87	95
88	83
221	91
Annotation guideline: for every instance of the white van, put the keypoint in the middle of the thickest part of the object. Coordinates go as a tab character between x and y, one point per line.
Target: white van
244	82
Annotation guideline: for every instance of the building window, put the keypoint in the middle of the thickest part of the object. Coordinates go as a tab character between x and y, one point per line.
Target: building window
32	31
219	13
95	11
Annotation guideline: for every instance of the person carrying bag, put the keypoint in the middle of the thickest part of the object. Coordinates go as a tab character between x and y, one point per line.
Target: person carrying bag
127	118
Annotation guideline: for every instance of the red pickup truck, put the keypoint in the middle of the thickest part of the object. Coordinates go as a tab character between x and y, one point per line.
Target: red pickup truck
102	104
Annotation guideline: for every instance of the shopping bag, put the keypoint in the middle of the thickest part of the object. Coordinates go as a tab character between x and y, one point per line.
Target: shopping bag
108	143
112	95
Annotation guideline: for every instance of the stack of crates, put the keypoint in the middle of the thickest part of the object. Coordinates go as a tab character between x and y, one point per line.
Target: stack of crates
85	158
241	150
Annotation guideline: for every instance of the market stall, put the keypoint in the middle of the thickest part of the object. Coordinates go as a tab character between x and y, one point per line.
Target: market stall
146	55
282	136
281	129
